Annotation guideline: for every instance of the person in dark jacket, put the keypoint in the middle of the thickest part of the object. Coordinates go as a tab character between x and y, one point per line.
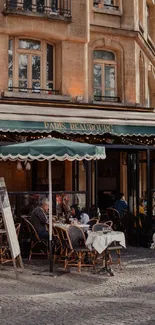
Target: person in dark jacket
39	219
120	205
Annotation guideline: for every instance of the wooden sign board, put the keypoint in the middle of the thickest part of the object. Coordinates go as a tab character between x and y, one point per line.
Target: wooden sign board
9	223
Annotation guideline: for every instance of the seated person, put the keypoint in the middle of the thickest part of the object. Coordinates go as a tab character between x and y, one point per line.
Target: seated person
141	209
141	206
39	219
82	216
120	204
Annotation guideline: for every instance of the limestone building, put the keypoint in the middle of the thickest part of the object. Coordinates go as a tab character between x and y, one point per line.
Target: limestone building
80	69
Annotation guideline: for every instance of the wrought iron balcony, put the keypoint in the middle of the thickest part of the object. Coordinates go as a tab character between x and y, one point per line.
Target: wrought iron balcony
53	8
107	99
35	90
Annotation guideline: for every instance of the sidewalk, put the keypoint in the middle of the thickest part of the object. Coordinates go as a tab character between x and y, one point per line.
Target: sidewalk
72	298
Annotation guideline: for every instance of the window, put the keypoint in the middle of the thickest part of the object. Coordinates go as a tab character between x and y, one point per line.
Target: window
142	80
31	66
140	7
106	4
104	75
147	19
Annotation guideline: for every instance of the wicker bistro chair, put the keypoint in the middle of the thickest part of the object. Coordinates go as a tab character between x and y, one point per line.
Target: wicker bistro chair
114	216
115	246
38	246
77	250
63	246
100	226
57	243
5	254
92	222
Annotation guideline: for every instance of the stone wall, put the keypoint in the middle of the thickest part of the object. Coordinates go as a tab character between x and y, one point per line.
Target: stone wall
75	41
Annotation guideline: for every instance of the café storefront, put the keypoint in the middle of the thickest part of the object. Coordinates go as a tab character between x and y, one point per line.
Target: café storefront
129	167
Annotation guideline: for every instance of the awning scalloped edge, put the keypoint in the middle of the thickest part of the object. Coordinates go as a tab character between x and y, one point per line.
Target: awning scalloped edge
75	132
51	157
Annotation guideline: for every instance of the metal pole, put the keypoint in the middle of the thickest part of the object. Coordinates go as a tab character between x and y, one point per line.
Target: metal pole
89	184
149	206
96	183
137	182
50	215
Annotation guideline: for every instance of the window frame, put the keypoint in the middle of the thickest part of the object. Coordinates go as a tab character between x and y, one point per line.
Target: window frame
100	4
16	51
103	64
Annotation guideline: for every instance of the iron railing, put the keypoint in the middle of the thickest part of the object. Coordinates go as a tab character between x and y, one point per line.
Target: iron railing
96	3
56	8
35	91
107	99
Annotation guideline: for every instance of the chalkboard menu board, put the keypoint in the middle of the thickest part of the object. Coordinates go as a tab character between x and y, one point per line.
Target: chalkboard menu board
9	222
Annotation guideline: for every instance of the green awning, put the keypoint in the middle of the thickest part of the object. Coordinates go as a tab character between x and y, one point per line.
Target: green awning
75	128
52	149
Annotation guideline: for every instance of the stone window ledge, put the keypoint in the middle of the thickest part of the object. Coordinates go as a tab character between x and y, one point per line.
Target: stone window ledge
22	95
109	11
108	103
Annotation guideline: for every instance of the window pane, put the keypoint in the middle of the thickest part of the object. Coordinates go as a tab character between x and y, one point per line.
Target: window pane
110	93
35	67
27	4
109	76
29	44
54	4
10	84
109	2
36	87
97	75
10	68
13	3
97	93
23	64
104	55
11	45
50	85
40	5
23	85
49	67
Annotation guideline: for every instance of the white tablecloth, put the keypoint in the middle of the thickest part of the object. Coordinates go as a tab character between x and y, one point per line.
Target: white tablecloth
64	226
101	241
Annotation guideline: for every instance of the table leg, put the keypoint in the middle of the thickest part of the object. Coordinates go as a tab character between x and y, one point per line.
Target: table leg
106	268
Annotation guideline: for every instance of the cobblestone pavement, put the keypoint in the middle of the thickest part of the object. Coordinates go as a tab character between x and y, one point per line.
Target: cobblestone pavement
86	298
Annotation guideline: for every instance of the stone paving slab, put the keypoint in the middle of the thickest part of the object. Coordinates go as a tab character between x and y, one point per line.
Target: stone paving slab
86	298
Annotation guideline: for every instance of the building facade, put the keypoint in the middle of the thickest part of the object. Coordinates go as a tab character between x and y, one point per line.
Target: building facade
80	69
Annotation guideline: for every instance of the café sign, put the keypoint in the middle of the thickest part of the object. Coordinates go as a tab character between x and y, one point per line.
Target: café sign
76	128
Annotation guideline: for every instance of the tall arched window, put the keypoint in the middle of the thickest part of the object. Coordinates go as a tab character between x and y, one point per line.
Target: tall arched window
140	7
104	75
142	80
31	67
